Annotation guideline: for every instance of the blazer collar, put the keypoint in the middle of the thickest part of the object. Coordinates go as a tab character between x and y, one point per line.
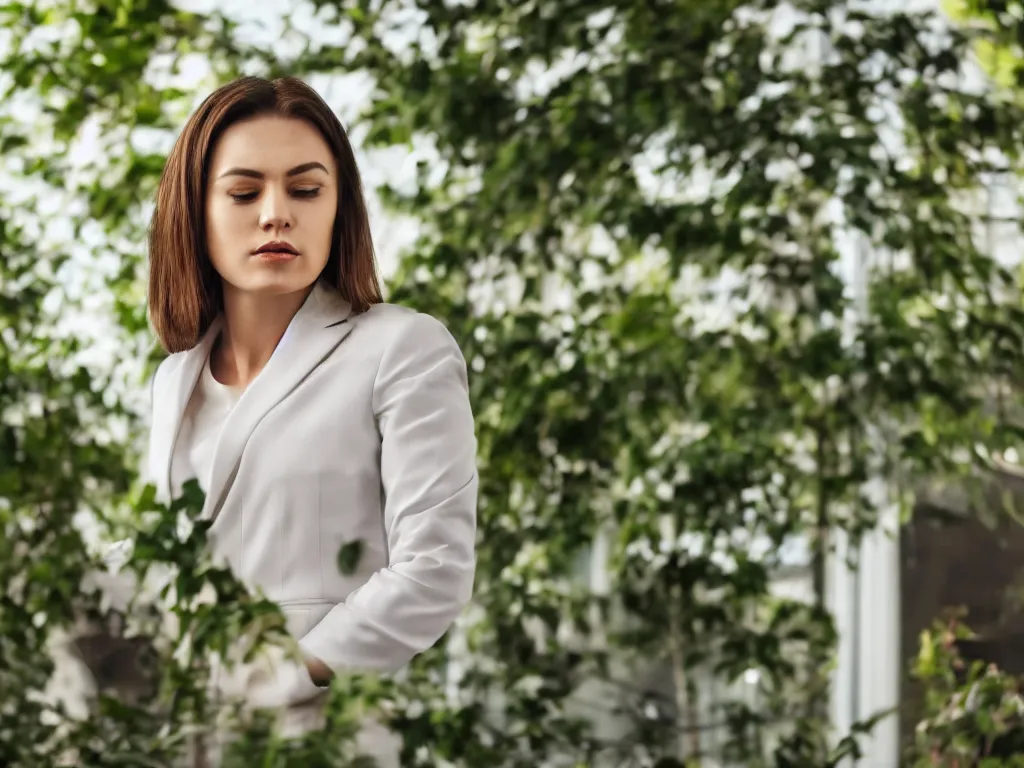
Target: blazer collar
320	325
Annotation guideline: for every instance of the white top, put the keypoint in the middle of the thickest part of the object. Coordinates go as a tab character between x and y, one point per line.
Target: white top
208	408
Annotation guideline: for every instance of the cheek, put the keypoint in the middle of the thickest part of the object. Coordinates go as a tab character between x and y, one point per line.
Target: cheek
325	217
222	225
327	223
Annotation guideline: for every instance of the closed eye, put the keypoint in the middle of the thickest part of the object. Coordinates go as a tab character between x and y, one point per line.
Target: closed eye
303	193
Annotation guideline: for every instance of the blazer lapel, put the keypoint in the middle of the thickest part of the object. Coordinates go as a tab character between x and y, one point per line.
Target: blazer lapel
317	329
167	420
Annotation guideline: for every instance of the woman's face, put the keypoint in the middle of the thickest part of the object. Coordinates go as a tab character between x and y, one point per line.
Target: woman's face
272	188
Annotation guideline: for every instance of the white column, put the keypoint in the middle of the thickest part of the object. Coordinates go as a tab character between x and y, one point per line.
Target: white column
866	603
840	585
879	670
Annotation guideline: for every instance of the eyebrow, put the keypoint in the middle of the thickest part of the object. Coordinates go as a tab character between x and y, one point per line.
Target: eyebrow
314	166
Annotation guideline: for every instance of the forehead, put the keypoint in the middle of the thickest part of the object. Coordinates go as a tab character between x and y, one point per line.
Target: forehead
270	144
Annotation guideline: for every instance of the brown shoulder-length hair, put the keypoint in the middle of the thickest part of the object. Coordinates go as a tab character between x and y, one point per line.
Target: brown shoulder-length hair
184	290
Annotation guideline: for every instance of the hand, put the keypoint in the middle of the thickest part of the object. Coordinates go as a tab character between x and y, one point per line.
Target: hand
319	672
273	679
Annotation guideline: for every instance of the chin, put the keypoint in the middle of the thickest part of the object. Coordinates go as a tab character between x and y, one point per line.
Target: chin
274	285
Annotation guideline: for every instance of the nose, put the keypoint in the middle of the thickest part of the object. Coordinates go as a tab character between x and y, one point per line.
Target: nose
276	211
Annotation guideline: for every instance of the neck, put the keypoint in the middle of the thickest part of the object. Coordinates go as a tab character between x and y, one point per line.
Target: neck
253	326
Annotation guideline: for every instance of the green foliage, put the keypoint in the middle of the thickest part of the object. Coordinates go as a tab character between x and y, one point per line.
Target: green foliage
52	465
349	555
637	225
622	406
997	46
200	618
974	712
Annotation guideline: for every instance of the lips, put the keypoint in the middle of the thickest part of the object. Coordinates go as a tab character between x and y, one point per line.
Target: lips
277	248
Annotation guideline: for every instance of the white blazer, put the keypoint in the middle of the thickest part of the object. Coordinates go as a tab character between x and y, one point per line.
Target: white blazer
358	428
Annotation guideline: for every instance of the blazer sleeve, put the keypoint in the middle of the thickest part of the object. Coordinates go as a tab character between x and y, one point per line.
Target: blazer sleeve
429	483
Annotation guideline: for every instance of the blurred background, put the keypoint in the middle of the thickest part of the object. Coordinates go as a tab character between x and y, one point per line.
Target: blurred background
739	287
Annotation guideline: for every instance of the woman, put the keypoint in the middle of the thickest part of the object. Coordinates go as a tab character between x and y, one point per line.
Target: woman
312	414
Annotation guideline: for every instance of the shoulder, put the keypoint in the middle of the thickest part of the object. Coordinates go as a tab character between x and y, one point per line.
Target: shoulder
166	369
395	327
410	344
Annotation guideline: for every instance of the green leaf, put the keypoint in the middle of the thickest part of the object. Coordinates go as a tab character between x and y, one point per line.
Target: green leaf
349	555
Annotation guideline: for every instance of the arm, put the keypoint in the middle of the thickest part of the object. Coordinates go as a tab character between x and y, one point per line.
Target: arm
429	479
